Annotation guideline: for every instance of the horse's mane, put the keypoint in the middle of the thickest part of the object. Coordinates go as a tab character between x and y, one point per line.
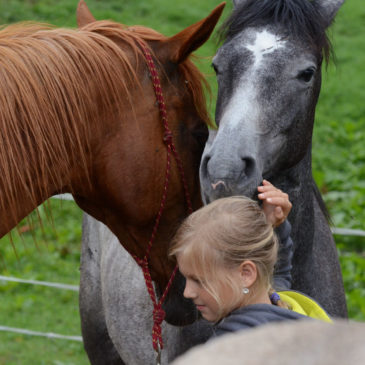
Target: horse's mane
195	80
301	18
51	80
321	203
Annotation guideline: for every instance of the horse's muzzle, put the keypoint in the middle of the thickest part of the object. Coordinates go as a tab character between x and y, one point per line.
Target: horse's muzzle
179	310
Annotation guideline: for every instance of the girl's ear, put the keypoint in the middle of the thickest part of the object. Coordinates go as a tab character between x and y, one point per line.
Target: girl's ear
248	273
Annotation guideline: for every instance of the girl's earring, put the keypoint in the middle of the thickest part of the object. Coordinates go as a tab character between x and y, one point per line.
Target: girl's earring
245	290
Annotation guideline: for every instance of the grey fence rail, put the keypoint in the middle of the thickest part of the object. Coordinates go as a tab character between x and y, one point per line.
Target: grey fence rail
335	231
28	332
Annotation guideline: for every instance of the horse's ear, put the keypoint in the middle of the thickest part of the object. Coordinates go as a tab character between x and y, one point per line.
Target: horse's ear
329	8
83	14
182	44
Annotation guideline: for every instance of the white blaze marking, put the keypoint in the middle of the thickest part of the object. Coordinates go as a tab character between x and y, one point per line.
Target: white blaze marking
265	43
244	104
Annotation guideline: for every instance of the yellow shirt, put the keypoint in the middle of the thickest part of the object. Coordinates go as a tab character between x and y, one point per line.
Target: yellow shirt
303	304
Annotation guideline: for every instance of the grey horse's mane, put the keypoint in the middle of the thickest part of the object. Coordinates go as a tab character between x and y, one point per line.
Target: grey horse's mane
301	18
321	203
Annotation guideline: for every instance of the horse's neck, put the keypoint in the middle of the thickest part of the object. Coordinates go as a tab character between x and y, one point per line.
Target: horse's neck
20	198
298	183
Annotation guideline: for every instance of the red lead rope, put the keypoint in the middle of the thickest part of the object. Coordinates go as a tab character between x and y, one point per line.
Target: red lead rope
158	312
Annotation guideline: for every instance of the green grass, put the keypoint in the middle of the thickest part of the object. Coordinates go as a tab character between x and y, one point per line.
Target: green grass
338	147
338	152
51	254
338	162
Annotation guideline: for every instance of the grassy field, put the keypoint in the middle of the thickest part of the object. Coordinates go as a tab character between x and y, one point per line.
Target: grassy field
338	147
338	161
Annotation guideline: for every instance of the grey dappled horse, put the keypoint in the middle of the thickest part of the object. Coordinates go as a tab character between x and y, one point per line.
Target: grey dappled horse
269	79
115	309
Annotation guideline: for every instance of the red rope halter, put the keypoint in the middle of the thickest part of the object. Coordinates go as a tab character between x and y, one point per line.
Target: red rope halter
158	312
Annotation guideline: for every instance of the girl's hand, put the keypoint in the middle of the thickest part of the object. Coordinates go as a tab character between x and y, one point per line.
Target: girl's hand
275	203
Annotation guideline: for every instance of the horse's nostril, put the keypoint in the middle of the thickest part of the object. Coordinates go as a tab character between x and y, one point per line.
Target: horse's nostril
204	165
248	166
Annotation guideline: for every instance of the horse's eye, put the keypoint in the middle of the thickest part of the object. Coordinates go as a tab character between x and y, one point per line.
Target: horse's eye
306	75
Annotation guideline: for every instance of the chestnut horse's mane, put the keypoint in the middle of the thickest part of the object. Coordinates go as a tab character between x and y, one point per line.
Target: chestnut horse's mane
54	84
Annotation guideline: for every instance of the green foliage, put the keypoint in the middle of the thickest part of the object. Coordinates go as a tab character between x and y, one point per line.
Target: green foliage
53	253
338	147
338	152
353	266
19	350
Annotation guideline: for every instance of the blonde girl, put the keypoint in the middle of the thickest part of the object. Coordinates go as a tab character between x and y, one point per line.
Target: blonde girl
227	252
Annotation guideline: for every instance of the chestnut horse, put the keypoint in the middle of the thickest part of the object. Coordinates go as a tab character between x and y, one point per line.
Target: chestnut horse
78	114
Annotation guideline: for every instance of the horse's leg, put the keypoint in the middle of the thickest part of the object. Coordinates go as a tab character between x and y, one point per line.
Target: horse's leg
97	343
128	307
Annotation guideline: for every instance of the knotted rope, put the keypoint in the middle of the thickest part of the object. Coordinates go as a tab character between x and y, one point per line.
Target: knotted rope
158	312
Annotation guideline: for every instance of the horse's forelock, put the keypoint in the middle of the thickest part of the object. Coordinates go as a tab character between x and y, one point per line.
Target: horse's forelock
301	18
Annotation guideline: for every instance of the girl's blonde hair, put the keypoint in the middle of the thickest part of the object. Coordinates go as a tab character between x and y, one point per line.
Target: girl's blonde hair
219	237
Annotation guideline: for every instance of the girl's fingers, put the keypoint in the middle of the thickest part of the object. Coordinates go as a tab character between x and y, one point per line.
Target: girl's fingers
279	214
279	217
273	194
282	206
270	187
276	203
279	201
